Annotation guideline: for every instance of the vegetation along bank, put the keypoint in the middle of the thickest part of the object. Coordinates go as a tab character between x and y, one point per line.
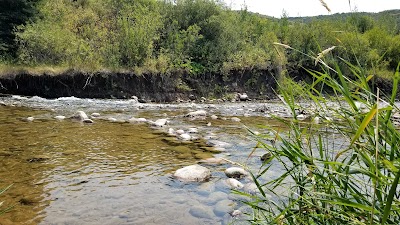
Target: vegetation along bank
164	50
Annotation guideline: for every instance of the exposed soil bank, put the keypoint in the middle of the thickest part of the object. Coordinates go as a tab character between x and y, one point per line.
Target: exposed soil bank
258	84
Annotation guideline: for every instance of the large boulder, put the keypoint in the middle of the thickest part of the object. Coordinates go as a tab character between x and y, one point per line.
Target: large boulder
193	173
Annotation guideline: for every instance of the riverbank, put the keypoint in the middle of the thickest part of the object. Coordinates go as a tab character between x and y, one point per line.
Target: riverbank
177	86
258	84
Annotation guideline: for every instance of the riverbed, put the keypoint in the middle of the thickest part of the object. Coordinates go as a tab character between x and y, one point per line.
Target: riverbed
120	171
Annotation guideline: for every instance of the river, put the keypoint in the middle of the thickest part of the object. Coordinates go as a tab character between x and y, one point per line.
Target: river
115	172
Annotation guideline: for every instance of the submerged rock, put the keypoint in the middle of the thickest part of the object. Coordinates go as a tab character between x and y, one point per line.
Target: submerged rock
193	173
200	211
235	172
216	143
223	207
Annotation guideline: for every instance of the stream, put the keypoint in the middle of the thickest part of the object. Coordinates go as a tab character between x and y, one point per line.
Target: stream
115	171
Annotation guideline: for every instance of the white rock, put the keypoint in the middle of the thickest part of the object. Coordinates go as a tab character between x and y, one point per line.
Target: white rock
180	131
30	119
213	161
193	173
236	172
80	115
112	119
197	113
316	120
59	117
161	122
87	121
171	132
214	117
243	97
236	213
208	124
95	115
216	143
234	184
193	130
235	119
137	120
185	137
301	117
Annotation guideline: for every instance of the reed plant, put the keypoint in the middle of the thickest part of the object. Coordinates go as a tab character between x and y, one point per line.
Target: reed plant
4	209
339	166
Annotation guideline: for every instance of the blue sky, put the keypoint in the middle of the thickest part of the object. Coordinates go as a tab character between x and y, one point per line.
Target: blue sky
312	7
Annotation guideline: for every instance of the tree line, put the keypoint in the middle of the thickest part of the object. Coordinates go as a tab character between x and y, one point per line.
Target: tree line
196	36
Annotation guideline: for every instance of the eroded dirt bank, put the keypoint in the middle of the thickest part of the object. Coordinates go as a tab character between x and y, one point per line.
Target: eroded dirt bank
258	84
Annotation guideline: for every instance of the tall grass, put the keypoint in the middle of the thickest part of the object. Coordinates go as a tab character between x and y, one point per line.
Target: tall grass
344	169
4	209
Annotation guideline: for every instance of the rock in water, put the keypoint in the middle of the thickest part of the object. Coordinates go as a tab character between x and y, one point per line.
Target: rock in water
80	115
199	113
161	122
193	173
95	115
235	172
234	184
59	117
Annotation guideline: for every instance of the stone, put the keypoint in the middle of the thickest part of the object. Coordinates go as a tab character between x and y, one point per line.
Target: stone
95	115
301	117
235	119
185	137
213	161
251	188
80	115
201	212
30	119
160	122
199	113
235	172
216	197
236	213
266	156
223	207
234	184
195	173
180	131
193	130
59	117
214	117
87	121
243	97
112	119
137	120
192	97
216	143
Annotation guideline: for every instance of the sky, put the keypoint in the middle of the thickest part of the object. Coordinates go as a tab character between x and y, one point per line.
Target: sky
294	8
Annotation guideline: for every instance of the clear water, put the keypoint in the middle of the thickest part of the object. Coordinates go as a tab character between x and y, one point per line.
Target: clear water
66	172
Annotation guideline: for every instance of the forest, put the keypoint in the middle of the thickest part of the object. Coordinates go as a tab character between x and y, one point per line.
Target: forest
194	36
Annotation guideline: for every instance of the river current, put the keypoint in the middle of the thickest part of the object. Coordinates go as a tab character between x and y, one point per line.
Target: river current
115	172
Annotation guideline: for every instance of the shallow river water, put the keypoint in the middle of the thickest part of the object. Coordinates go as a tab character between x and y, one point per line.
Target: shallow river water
116	172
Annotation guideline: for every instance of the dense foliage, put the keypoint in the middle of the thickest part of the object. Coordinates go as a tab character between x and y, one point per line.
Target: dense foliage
152	36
